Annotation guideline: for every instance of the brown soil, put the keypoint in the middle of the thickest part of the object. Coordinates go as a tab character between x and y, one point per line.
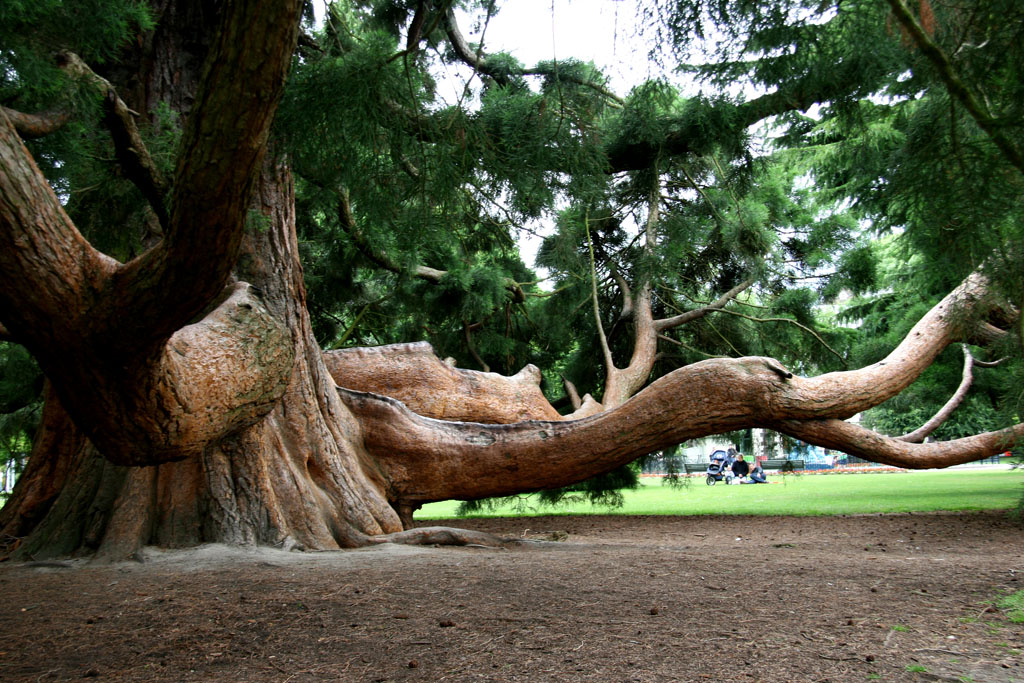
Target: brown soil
893	598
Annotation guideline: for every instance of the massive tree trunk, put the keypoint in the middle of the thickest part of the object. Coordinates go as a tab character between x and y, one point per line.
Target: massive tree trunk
189	402
264	450
299	476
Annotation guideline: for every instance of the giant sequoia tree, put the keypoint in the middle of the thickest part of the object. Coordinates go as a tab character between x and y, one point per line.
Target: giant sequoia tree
187	399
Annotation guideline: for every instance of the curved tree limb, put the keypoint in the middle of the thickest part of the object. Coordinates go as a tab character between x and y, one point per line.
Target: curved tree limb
844	394
606	352
966	378
378	256
429	460
696	313
467	334
864	443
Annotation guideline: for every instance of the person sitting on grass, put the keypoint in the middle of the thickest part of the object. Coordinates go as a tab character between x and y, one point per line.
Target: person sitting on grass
739	470
757	475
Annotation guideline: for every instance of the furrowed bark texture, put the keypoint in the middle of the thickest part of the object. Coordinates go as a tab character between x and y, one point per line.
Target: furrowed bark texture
100	329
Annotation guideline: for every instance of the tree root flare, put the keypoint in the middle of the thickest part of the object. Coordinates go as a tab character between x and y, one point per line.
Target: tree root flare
443	535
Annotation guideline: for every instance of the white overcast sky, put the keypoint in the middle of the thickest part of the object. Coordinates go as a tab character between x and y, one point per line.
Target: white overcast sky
602	31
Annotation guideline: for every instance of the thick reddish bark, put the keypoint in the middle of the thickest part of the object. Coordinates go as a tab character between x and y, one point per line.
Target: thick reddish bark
100	329
267	452
413	374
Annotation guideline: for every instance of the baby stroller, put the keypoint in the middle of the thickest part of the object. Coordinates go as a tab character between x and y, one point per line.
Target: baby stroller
720	462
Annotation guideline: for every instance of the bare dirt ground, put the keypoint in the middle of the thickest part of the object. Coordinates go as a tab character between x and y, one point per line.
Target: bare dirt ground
892	598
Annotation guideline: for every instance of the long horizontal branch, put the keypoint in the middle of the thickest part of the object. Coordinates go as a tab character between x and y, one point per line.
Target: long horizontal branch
427	459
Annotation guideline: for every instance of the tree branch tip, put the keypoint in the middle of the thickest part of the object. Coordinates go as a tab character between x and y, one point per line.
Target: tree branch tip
778	369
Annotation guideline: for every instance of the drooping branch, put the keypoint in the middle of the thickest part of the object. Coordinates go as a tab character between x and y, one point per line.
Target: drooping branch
966	379
467	335
864	443
348	223
128	144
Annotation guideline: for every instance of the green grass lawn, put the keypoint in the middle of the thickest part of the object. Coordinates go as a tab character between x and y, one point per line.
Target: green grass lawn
802	494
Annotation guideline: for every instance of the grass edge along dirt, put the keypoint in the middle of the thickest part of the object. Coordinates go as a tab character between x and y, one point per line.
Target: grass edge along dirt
792	494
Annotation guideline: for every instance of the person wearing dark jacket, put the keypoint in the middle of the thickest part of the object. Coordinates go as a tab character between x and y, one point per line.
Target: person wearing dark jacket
757	475
740	468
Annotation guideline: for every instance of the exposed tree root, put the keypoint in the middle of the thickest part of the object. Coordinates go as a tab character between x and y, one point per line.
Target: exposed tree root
443	535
